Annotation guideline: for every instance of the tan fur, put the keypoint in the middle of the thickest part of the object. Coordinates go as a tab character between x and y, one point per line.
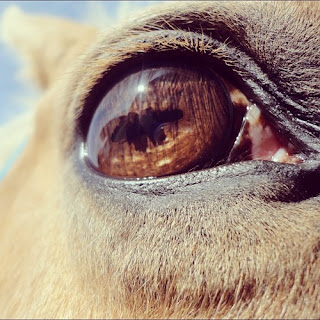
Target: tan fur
68	250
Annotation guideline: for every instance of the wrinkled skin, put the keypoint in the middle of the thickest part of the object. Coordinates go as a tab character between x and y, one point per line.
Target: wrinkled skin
239	240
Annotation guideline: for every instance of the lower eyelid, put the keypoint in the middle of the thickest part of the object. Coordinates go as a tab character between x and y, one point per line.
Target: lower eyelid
246	176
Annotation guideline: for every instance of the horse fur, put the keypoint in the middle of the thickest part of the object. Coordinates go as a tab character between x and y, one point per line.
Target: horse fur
77	248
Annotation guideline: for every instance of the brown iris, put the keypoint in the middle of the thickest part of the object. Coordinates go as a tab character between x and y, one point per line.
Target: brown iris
161	121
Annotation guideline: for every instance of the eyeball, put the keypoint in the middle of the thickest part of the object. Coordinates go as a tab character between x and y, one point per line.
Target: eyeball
161	121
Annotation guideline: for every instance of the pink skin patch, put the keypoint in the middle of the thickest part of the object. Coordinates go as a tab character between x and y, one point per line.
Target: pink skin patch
259	141
266	143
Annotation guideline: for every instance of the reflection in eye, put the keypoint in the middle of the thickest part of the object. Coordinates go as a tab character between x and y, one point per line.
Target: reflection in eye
161	121
168	120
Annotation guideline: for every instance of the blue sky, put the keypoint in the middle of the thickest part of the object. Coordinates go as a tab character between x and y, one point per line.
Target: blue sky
11	89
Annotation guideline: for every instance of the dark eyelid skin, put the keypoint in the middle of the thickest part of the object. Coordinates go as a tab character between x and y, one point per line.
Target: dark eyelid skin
223	43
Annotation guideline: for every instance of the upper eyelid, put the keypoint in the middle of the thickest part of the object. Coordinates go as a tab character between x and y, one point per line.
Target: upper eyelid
107	55
101	64
165	21
115	49
141	45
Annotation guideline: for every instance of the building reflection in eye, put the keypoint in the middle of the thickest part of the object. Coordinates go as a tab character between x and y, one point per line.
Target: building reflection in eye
137	128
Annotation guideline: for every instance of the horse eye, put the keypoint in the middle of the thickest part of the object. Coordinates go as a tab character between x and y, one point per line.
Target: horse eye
167	120
161	121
